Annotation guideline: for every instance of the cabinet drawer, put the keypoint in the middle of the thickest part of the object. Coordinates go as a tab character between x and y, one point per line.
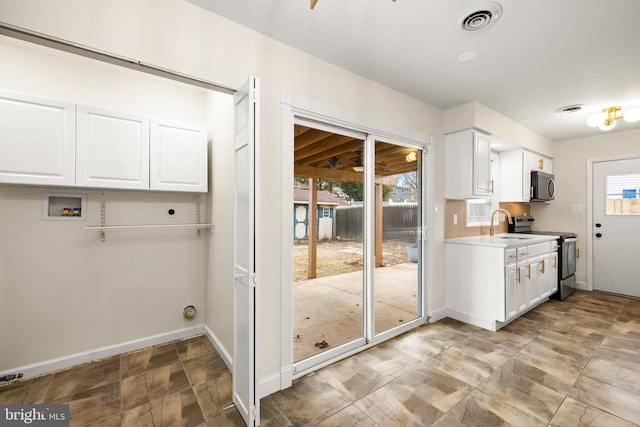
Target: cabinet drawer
510	256
533	250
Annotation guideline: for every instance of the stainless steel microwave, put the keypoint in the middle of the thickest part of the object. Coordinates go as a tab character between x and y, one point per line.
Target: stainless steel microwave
543	188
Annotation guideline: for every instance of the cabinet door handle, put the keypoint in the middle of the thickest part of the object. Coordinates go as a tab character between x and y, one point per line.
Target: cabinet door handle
542	270
491	186
555	262
541	164
518	275
577	252
524	253
528	271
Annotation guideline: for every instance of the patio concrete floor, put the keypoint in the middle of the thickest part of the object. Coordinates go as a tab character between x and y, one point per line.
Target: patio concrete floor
329	309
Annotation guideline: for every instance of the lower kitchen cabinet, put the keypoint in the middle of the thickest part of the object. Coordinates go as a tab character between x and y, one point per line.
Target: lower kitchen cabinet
491	285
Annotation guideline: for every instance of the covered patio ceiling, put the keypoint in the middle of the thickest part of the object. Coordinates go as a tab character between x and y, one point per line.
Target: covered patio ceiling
326	155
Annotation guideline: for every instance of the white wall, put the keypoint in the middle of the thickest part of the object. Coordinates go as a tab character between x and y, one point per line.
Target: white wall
63	291
570	170
182	37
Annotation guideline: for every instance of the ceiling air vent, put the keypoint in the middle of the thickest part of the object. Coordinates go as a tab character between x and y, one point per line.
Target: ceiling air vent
568	109
480	16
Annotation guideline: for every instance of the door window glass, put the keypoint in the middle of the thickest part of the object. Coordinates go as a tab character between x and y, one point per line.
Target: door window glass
623	194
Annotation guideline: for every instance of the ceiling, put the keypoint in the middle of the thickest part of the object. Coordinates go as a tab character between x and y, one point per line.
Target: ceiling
325	155
537	57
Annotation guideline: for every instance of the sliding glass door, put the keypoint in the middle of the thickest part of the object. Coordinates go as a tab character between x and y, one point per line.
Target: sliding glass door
357	241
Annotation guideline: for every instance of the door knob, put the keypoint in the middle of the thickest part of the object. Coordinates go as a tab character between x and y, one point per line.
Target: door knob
598	234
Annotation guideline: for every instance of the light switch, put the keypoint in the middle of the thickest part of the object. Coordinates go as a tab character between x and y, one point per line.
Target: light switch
455	219
576	208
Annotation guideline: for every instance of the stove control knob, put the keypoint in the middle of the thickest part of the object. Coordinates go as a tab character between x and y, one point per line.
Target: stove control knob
598	225
598	235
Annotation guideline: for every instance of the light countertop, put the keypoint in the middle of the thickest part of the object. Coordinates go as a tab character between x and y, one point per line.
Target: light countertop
504	240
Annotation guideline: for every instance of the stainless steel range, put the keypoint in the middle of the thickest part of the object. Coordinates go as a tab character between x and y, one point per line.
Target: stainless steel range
566	254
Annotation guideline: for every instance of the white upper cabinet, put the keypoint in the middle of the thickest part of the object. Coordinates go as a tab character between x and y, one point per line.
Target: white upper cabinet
178	154
48	142
515	173
37	140
468	165
112	149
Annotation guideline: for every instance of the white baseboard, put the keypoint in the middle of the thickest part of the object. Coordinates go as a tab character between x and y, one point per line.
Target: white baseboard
222	351
269	384
583	286
100	353
438	314
471	319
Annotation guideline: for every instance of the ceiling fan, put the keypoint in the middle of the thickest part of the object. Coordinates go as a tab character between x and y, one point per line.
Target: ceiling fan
315	2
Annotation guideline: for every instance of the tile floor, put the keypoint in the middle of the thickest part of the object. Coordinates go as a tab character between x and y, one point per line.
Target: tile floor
181	383
566	363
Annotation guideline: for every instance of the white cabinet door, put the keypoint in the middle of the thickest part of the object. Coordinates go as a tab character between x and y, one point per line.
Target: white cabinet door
515	173
112	149
37	141
178	156
514	295
553	273
481	165
467	165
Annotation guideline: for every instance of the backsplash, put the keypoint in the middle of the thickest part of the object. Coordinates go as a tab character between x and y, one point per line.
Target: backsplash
459	207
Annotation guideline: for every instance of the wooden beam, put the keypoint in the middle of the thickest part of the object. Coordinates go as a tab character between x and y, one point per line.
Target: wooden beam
338	175
312	269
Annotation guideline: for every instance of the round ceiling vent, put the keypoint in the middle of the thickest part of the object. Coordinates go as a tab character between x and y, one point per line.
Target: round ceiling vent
480	16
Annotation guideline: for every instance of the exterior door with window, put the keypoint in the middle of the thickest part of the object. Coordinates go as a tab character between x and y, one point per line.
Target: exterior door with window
616	225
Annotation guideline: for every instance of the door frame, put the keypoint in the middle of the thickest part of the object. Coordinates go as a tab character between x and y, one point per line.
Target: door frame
589	230
292	107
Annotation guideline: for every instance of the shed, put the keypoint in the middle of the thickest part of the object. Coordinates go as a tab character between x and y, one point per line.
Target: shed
327	203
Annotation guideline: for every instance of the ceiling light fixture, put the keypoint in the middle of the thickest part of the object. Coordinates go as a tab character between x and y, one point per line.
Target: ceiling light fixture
411	157
606	120
358	166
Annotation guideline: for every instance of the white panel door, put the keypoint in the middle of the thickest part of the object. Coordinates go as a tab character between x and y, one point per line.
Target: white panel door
245	290
37	140
616	225
178	156
112	149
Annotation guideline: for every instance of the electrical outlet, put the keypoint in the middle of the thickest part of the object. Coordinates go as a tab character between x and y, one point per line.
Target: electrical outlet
576	208
455	219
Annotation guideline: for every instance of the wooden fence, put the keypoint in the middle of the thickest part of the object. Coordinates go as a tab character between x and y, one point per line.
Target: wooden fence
399	222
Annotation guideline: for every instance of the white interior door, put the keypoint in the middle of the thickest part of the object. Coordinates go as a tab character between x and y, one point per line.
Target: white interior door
245	290
616	225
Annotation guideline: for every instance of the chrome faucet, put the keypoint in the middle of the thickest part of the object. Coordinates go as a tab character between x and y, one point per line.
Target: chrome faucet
491	230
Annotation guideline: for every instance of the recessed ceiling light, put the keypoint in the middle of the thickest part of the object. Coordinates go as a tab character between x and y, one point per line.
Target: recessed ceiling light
480	16
568	109
467	56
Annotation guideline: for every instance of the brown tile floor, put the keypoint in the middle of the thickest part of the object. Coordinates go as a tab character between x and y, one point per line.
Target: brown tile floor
566	363
181	383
